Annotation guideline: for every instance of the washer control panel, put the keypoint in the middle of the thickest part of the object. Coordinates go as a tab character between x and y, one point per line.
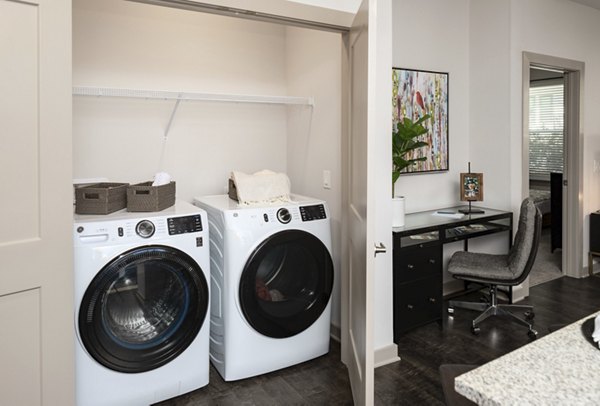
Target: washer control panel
140	230
316	212
182	225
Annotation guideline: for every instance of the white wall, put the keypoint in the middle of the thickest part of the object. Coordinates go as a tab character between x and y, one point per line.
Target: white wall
567	30
489	106
500	32
130	45
313	62
434	35
489	114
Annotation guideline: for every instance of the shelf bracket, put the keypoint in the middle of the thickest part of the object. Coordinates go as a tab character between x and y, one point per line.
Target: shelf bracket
166	135
168	128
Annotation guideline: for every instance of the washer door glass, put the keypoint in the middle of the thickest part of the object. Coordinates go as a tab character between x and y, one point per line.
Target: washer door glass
143	309
286	284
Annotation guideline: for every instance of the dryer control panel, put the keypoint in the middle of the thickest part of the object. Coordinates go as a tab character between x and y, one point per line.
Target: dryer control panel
316	212
182	225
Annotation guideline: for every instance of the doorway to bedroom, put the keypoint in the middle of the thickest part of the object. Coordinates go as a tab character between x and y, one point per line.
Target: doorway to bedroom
546	166
567	216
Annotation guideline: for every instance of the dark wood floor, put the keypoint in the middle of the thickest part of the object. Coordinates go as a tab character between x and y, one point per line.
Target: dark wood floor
323	381
415	379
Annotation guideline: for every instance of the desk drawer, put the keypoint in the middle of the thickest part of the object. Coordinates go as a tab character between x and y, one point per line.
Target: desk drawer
417	303
419	262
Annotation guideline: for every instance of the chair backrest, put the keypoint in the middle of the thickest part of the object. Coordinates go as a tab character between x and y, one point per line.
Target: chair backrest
525	246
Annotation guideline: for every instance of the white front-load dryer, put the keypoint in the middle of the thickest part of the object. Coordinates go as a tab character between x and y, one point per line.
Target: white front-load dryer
142	300
271	282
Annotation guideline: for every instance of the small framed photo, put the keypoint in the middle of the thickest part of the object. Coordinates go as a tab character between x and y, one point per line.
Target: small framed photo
471	187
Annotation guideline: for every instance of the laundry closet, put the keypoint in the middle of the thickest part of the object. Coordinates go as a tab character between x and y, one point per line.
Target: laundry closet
266	96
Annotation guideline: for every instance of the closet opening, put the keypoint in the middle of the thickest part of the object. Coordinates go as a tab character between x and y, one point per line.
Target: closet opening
253	93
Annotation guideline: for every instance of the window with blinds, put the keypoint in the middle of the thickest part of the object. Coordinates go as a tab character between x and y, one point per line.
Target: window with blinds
546	129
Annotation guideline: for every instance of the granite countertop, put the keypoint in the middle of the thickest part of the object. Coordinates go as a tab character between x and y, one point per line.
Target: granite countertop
562	368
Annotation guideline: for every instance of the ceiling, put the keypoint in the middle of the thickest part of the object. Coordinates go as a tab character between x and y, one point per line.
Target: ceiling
348	6
592	3
351	6
336	14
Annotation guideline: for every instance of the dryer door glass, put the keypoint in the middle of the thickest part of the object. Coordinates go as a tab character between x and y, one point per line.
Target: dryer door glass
286	284
143	309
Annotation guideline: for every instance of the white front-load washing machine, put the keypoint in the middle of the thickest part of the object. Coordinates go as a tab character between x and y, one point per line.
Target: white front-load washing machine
271	282
142	299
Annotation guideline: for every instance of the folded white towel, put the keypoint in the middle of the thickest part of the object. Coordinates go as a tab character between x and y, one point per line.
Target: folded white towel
161	178
596	333
261	187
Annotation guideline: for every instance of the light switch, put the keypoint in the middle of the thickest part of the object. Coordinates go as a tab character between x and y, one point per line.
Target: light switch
326	179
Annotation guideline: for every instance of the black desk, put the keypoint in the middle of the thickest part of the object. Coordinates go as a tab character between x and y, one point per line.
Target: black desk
417	260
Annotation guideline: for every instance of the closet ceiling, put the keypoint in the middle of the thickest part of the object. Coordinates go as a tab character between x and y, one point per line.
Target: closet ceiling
348	6
592	3
330	15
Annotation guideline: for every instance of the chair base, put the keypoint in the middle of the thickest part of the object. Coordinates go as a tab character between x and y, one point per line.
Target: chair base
493	308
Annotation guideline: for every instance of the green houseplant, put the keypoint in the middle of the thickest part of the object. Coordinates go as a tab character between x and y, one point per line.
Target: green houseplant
404	140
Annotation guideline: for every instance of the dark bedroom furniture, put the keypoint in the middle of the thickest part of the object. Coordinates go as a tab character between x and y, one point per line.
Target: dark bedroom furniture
556	186
541	197
501	270
594	241
417	259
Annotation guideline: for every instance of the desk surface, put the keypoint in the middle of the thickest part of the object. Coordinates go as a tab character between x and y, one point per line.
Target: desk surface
561	368
426	219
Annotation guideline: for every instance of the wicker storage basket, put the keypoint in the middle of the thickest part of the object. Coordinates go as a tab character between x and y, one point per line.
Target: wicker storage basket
232	190
145	197
101	198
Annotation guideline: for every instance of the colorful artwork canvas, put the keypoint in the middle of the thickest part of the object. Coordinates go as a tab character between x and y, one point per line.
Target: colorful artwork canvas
414	94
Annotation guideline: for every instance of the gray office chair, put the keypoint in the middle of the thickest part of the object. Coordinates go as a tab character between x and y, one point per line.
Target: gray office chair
501	270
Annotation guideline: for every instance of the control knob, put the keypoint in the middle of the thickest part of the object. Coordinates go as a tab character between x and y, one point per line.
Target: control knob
284	216
145	229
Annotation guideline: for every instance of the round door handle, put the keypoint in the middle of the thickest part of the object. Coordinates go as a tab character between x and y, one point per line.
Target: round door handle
432	261
410	266
409	307
432	299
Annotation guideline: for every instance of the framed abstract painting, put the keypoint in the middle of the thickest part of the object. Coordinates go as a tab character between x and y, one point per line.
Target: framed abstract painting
416	93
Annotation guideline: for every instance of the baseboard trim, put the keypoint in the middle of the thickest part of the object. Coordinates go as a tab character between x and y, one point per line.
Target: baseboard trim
386	355
453	286
383	356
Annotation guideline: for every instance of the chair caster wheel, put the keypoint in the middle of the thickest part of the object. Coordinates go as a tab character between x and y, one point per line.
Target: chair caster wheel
529	315
450	310
532	334
475	330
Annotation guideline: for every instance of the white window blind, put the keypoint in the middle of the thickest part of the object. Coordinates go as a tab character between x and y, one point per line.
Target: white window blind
546	130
